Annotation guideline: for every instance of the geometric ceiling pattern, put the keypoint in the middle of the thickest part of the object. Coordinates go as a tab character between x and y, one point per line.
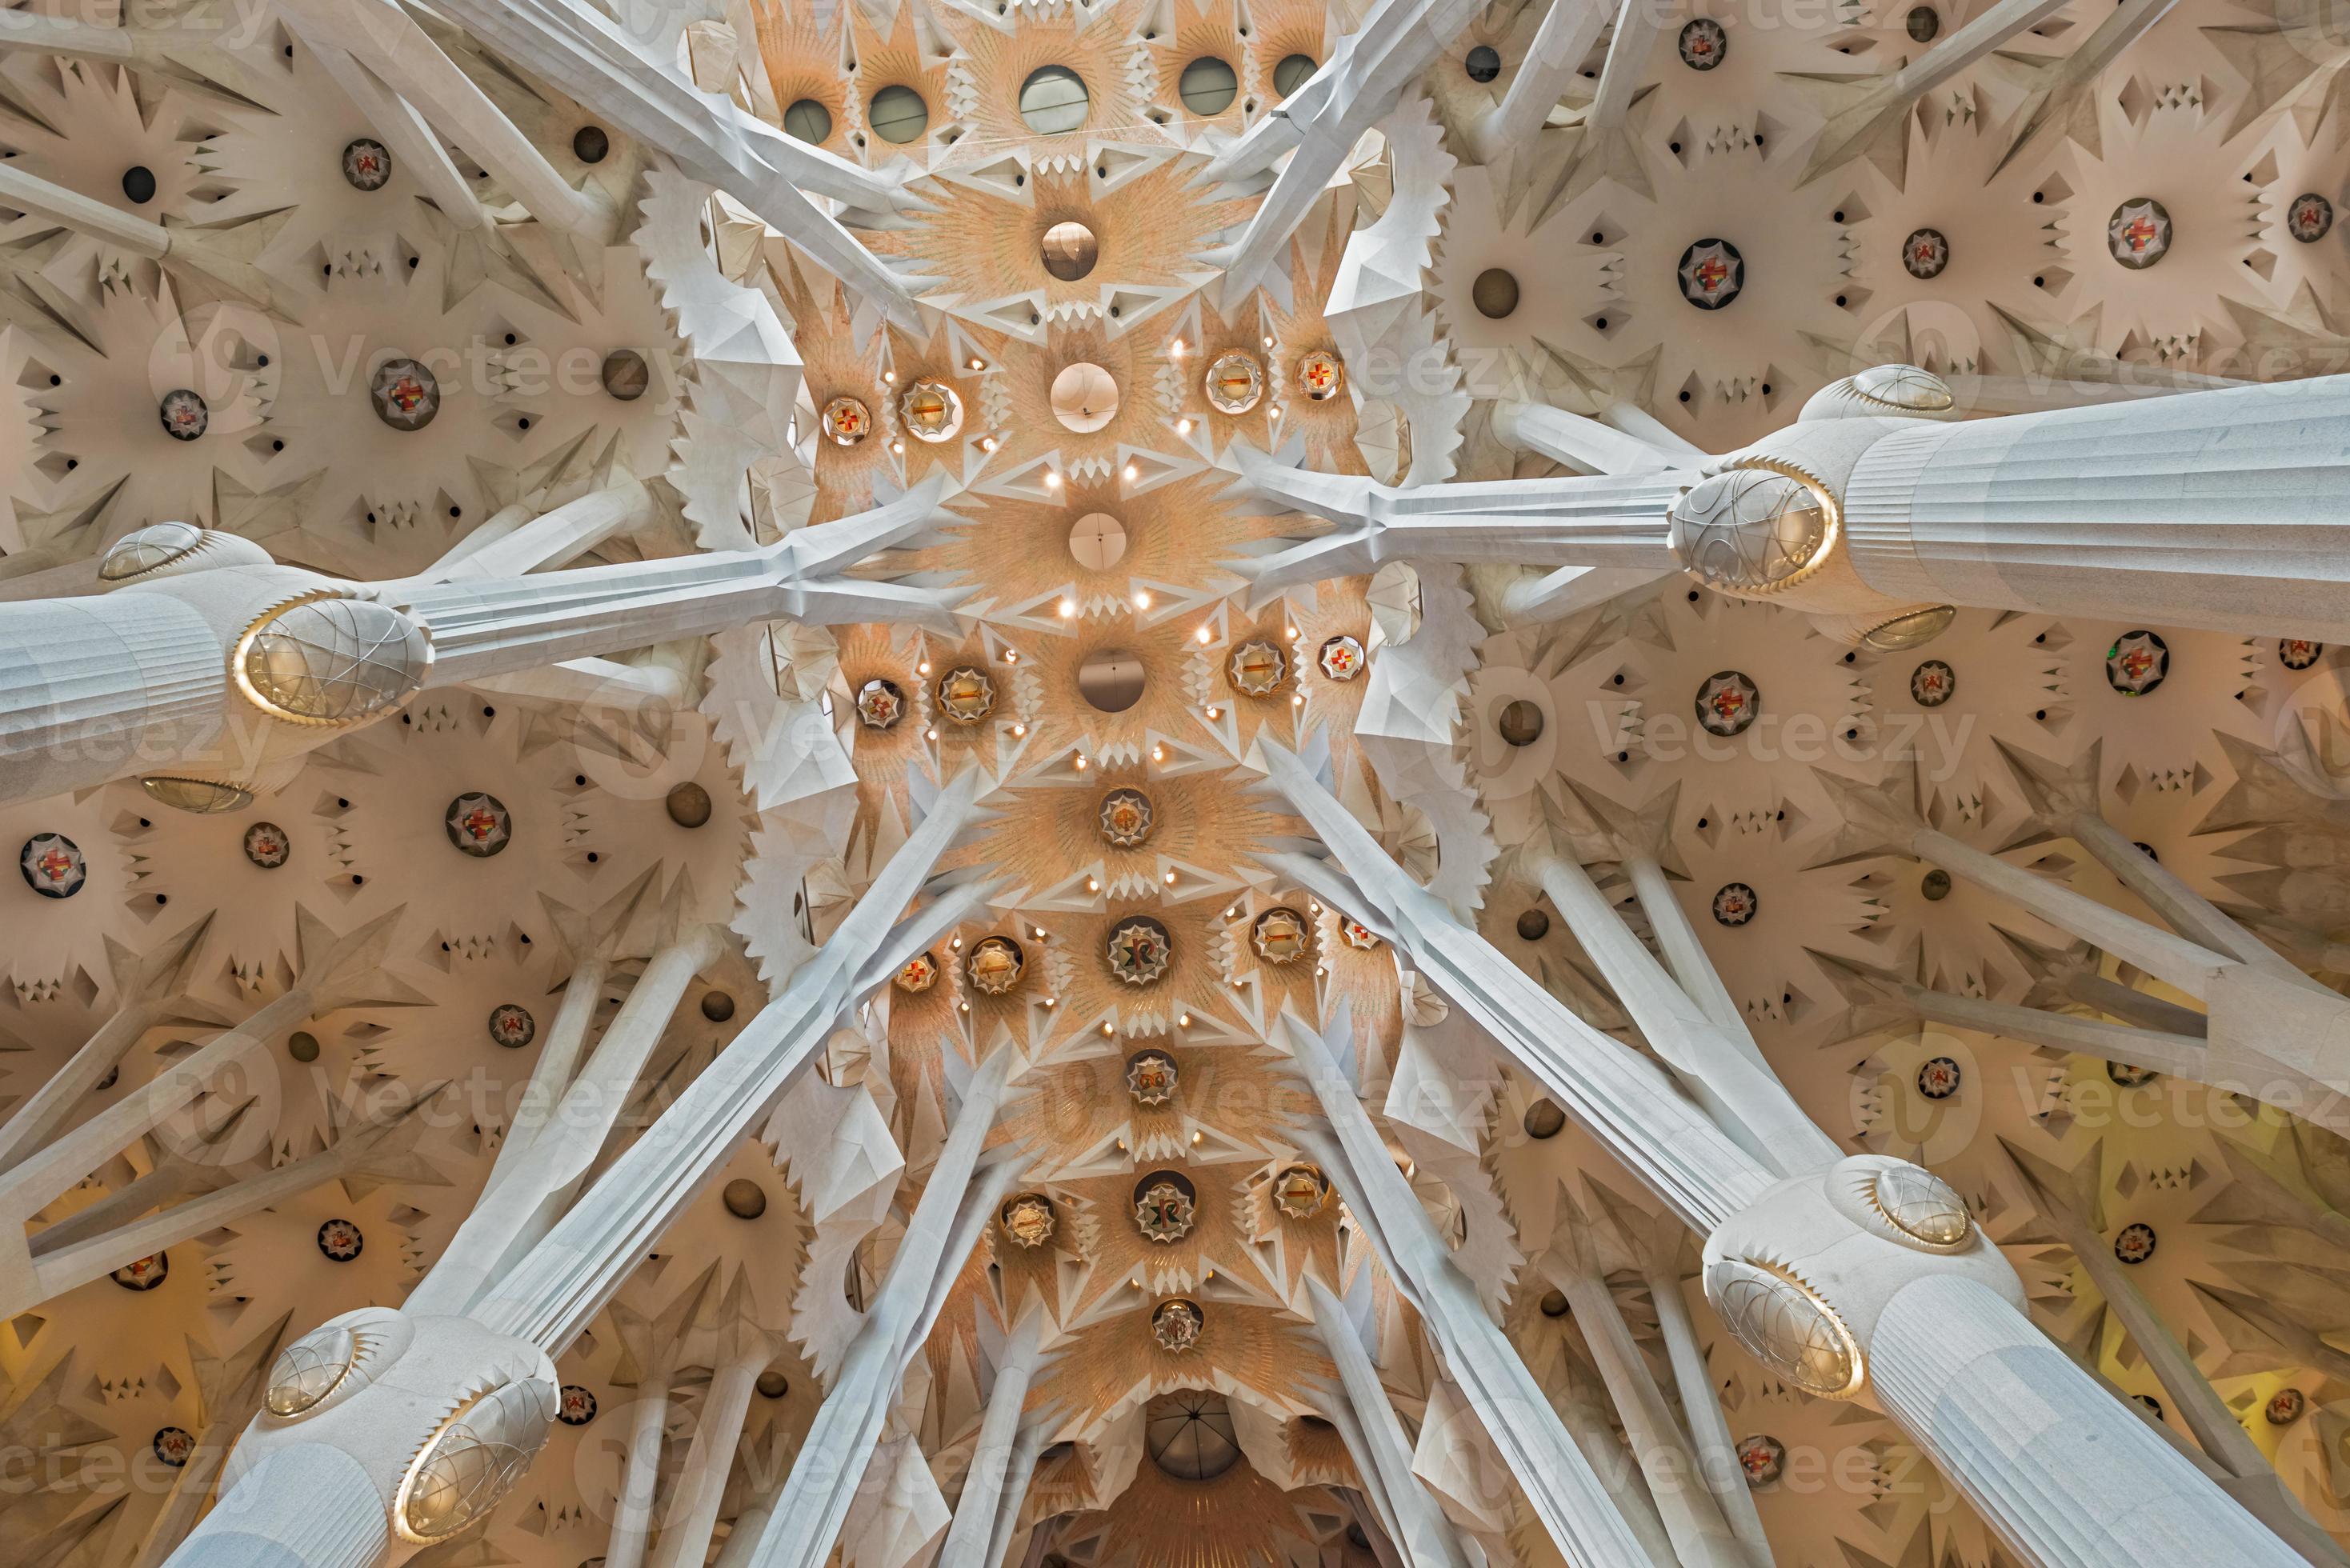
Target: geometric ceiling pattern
1124	783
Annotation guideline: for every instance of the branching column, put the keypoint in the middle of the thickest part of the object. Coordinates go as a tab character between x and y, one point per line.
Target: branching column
946	1222
971	1537
1421	1532
1829	1278
1563	1484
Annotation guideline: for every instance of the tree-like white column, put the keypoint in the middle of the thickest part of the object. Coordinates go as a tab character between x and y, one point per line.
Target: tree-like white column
743	1349
971	1538
2049	1458
1701	1535
1805	1269
2220	509
2269	1030
414	1368
1319	123
591	57
522	1200
1611	520
209	668
334	971
1423	1537
1567	1485
2071	1202
953	1211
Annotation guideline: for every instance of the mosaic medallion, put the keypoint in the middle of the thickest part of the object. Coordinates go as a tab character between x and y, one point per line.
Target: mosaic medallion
930	411
175	1446
1761	1457
53	865
1150	1077
1301	1191
2139	233
1341	657
1704	44
2129	1076
1028	1218
1711	273
2285	1407
1281	935
479	824
576	1406
1727	703
1736	904
996	964
266	846
340	1240
966	695
511	1026
2309	218
406	395
367	164
143	1273
2137	663
1939	1078
847	421
1176	1324
1925	253
1138	950
1126	817
1358	935
1933	684
1258	668
880	704
1320	374
2298	652
918	974
1166	1207
2135	1244
185	414
1234	381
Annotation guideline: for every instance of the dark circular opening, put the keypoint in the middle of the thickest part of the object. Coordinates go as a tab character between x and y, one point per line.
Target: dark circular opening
1495	292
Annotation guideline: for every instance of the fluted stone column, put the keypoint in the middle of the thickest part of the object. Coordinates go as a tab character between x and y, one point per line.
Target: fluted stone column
2223	509
2052	1460
95	687
338	1520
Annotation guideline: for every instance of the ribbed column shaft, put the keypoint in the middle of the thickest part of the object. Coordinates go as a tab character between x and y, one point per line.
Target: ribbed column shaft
93	688
2055	1463
306	1507
2222	510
